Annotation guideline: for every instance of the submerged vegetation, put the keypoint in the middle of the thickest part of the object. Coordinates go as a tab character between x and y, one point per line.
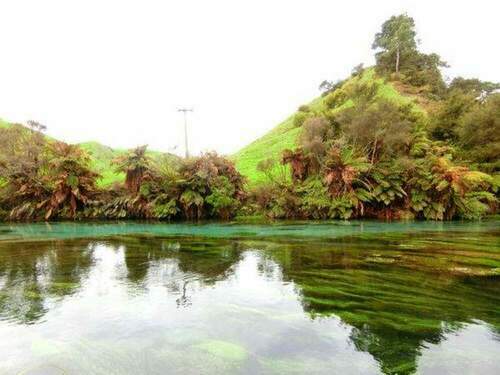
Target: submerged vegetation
391	141
268	298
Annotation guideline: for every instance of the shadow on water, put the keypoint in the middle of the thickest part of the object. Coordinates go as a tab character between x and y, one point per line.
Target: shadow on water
355	303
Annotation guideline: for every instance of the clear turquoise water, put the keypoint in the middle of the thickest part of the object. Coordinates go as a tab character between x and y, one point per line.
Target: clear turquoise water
322	229
284	298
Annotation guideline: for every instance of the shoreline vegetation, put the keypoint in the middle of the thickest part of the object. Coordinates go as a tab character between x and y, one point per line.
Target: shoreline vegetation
392	141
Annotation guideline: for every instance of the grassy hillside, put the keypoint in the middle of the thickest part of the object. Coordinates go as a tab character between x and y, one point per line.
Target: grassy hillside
102	161
101	158
3	123
271	145
285	135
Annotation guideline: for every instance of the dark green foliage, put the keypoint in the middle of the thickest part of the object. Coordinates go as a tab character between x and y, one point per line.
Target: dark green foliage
479	134
211	186
222	198
468	118
398	54
317	203
206	186
396	42
335	98
451	191
299	118
424	71
379	127
389	182
446	122
473	86
316	131
430	187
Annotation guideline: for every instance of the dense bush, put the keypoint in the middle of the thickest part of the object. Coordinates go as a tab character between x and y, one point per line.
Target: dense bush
469	119
479	133
42	179
379	127
446	121
350	187
210	187
335	98
375	159
299	118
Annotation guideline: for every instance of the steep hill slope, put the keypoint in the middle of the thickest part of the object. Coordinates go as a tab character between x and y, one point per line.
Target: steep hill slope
285	135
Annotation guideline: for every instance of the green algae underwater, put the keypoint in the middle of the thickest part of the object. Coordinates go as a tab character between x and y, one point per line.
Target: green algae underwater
359	297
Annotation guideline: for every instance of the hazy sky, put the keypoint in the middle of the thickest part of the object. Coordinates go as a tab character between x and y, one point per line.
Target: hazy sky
115	71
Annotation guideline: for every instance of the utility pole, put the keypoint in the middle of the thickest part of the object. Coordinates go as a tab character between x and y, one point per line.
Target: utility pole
185	111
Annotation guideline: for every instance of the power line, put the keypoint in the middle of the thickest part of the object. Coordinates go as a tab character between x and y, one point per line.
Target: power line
185	111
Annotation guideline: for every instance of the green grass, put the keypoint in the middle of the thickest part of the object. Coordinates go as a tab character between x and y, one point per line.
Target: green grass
284	136
271	145
102	157
3	123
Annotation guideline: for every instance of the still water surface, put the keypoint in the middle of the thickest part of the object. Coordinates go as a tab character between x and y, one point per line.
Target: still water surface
285	298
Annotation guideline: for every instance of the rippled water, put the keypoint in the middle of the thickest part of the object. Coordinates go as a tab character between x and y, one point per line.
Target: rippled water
287	298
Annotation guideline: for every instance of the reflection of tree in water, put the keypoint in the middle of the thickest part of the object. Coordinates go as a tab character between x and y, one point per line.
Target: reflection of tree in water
184	300
393	310
31	273
181	265
35	274
394	299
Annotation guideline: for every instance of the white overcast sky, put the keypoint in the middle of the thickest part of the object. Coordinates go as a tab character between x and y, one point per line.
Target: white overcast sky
115	71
